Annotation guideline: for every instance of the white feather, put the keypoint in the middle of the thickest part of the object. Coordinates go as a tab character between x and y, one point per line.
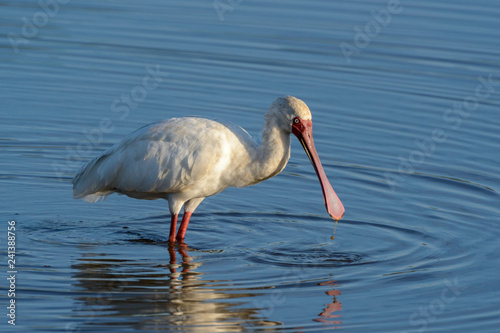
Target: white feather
181	159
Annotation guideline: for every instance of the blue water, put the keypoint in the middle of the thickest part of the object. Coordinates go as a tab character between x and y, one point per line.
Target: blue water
405	121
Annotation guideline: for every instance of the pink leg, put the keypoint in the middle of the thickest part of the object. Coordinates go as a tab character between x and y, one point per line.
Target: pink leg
173	226
184	226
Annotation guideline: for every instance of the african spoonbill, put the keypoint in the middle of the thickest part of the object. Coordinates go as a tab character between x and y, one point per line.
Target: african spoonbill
185	160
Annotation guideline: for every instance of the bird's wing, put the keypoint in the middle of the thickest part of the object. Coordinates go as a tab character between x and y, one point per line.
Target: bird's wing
165	157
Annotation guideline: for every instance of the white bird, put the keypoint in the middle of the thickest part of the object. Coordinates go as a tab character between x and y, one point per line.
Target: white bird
185	160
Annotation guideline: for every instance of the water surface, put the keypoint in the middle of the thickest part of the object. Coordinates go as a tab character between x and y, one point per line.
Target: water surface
407	139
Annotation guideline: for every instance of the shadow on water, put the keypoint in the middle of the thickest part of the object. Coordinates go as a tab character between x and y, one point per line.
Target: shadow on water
170	296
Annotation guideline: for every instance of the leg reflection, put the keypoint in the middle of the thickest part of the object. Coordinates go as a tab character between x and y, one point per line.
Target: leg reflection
185	264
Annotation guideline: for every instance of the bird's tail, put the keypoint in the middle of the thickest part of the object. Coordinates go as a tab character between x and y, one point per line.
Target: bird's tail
88	184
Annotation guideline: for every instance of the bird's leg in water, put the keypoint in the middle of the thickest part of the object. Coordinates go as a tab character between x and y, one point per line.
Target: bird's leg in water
173	226
184	226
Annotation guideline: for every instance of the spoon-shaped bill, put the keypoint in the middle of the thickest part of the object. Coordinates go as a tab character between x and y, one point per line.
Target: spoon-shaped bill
303	131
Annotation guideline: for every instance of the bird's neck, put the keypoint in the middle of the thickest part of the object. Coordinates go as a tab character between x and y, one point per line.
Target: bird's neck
273	153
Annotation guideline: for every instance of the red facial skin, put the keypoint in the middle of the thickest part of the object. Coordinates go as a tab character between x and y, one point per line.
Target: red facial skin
303	131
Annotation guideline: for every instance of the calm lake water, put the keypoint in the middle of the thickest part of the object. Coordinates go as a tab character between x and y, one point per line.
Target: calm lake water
405	99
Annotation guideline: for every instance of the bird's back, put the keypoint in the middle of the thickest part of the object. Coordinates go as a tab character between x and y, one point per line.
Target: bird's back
187	156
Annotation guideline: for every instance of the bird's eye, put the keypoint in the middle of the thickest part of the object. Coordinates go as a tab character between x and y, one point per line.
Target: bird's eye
297	120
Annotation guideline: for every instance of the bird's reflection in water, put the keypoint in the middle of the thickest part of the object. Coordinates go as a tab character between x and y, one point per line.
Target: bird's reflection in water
120	293
327	316
144	295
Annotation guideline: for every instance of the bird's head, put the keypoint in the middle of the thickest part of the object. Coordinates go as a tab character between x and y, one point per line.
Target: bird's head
293	116
285	109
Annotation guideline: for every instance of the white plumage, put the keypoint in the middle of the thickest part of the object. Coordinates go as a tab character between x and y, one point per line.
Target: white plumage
184	160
